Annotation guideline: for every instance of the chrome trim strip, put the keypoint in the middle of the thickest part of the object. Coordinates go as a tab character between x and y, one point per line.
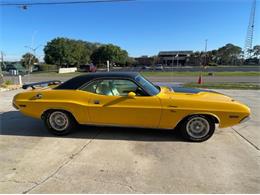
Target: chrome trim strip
123	126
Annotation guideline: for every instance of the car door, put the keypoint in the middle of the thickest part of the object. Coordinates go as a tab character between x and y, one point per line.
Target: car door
109	104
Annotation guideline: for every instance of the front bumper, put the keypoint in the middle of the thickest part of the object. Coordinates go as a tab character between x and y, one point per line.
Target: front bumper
245	119
16	107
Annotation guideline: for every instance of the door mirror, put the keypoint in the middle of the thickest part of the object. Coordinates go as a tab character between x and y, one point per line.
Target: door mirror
131	94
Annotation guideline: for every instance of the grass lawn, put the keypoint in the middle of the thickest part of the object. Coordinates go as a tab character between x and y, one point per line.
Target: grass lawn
224	86
57	74
193	85
159	74
203	73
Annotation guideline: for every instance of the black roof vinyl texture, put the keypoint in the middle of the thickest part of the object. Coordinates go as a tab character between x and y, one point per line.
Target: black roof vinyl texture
78	81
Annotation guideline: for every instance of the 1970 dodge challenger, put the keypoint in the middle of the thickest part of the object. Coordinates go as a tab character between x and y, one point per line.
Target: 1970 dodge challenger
128	99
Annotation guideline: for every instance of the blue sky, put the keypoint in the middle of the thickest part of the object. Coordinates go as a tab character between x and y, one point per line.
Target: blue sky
142	27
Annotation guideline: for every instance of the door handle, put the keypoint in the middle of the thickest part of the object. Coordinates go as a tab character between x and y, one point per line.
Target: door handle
96	102
38	96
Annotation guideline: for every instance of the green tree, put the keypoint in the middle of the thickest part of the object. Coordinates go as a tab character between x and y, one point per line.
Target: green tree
28	60
196	58
130	61
69	52
229	54
109	52
256	51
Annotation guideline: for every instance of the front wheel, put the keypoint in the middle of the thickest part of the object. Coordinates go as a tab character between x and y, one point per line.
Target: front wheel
59	122
198	128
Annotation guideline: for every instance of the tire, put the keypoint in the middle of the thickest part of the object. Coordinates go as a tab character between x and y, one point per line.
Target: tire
59	122
197	128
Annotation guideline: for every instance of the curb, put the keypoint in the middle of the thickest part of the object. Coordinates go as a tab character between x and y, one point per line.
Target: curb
10	89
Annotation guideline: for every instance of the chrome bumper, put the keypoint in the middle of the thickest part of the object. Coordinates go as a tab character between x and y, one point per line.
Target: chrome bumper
245	119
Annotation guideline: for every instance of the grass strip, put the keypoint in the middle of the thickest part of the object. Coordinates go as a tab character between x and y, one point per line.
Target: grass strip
244	86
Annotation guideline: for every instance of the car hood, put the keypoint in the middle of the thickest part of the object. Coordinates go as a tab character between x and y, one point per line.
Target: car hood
177	89
190	90
194	94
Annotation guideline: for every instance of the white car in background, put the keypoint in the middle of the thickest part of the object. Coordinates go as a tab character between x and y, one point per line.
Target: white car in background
158	67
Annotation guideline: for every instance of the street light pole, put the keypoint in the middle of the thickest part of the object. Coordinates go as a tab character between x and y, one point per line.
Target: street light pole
172	67
206	47
33	50
177	59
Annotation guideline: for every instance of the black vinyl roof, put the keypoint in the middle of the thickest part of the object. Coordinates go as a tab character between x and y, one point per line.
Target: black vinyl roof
78	81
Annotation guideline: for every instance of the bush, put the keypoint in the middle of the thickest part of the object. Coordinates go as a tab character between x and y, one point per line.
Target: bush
48	67
8	82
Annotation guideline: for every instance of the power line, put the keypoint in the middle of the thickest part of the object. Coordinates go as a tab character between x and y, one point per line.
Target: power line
62	2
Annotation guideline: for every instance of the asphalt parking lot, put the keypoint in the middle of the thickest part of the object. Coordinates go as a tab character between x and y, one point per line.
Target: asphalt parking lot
121	160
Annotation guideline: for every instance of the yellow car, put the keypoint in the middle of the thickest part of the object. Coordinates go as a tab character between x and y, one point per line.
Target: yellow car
128	100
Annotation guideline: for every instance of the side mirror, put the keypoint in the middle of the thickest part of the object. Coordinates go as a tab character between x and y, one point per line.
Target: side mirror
131	94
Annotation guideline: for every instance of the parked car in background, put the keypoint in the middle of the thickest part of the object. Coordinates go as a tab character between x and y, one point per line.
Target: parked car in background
35	68
158	67
146	67
87	68
15	67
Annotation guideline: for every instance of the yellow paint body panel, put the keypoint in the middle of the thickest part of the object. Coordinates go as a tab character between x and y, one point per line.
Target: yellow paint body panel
164	110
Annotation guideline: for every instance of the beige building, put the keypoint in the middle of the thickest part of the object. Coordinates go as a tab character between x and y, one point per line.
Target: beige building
177	58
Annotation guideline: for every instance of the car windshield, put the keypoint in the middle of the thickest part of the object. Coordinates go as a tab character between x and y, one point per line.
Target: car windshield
147	85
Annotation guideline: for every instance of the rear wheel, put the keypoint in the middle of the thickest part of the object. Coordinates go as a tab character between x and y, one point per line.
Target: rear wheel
198	128
59	122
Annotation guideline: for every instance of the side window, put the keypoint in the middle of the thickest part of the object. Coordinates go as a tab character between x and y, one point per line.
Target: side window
102	87
123	87
113	87
91	87
105	88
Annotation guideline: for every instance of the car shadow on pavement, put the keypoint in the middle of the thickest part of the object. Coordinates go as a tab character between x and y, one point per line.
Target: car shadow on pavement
13	123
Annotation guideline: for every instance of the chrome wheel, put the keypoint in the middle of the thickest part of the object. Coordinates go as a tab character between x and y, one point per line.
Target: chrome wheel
197	127
59	121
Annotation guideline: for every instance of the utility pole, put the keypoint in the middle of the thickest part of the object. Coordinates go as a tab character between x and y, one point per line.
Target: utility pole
1	72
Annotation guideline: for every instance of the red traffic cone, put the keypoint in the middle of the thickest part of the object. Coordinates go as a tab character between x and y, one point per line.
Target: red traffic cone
200	80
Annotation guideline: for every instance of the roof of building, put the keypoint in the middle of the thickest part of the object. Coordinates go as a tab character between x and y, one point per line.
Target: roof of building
78	81
175	52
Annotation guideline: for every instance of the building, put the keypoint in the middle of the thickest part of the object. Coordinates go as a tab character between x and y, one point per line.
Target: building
144	60
177	58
